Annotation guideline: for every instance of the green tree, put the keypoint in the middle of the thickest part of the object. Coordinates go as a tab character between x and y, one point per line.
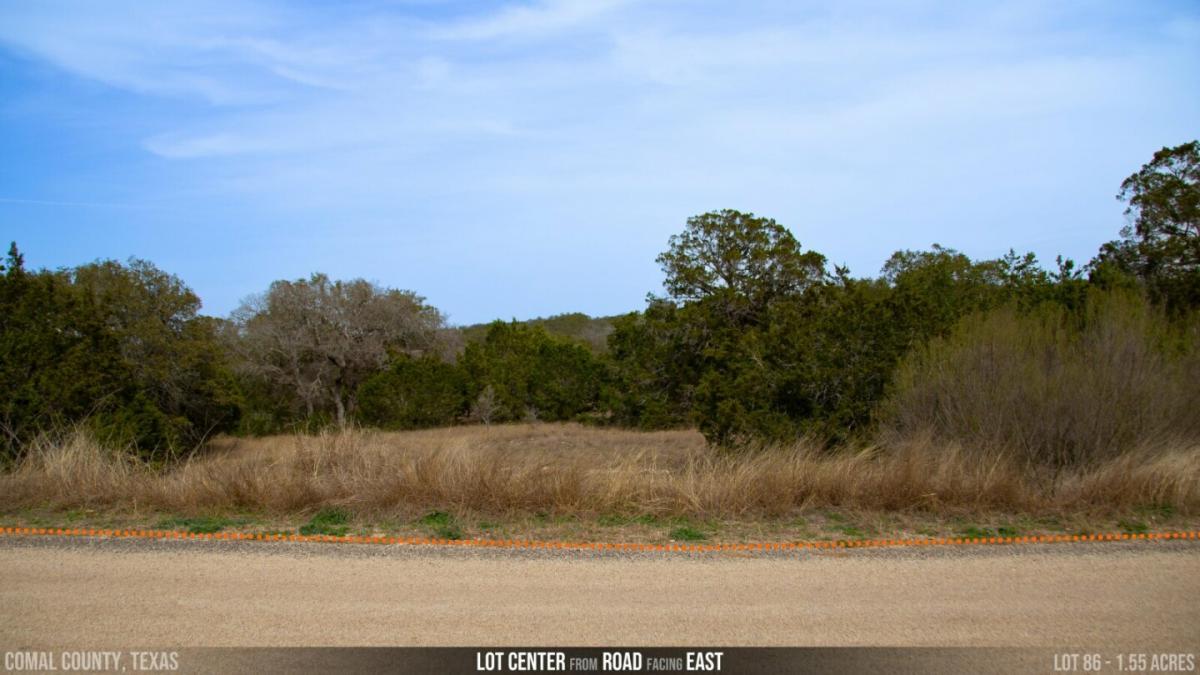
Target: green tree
1161	247
738	259
532	373
119	347
656	362
812	361
414	393
700	355
58	364
831	355
185	387
591	332
935	288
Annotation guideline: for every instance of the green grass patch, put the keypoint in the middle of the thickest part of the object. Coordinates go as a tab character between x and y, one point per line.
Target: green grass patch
976	533
75	515
544	518
834	516
799	527
1133	526
613	520
436	519
852	531
685	533
199	525
329	521
647	519
1049	523
448	532
441	524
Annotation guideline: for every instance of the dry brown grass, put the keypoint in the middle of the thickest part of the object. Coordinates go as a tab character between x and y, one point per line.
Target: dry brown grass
570	469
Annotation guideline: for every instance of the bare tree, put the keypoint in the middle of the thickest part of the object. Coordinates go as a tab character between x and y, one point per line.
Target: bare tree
320	338
485	406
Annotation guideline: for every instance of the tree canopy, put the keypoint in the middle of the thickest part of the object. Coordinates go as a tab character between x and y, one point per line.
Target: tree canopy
118	346
319	339
1161	246
744	260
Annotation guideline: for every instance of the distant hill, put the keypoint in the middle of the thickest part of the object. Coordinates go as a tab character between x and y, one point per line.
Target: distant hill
591	331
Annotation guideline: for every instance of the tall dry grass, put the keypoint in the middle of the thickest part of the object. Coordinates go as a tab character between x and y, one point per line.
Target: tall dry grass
572	469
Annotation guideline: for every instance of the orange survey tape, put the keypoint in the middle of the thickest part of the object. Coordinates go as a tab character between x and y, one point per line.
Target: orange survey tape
593	546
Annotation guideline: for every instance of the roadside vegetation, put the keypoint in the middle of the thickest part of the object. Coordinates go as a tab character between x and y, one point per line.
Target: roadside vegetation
452	483
762	386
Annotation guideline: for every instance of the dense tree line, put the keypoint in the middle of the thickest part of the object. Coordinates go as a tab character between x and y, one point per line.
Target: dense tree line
755	339
118	347
758	340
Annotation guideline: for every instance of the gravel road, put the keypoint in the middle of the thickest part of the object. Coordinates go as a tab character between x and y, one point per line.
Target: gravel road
98	593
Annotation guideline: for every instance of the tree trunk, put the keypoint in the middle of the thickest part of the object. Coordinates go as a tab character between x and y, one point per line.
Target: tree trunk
341	407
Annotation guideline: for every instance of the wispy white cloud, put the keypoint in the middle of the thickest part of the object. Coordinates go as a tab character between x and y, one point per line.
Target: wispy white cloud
299	82
541	115
156	48
541	19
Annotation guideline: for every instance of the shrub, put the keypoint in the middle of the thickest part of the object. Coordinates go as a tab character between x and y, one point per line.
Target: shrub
414	394
1052	386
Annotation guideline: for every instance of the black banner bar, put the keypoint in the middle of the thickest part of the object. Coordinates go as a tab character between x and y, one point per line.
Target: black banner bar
598	660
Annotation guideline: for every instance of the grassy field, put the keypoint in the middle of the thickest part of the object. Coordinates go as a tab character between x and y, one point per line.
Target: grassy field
567	481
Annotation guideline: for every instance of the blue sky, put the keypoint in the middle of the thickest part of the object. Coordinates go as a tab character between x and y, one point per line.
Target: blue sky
531	158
